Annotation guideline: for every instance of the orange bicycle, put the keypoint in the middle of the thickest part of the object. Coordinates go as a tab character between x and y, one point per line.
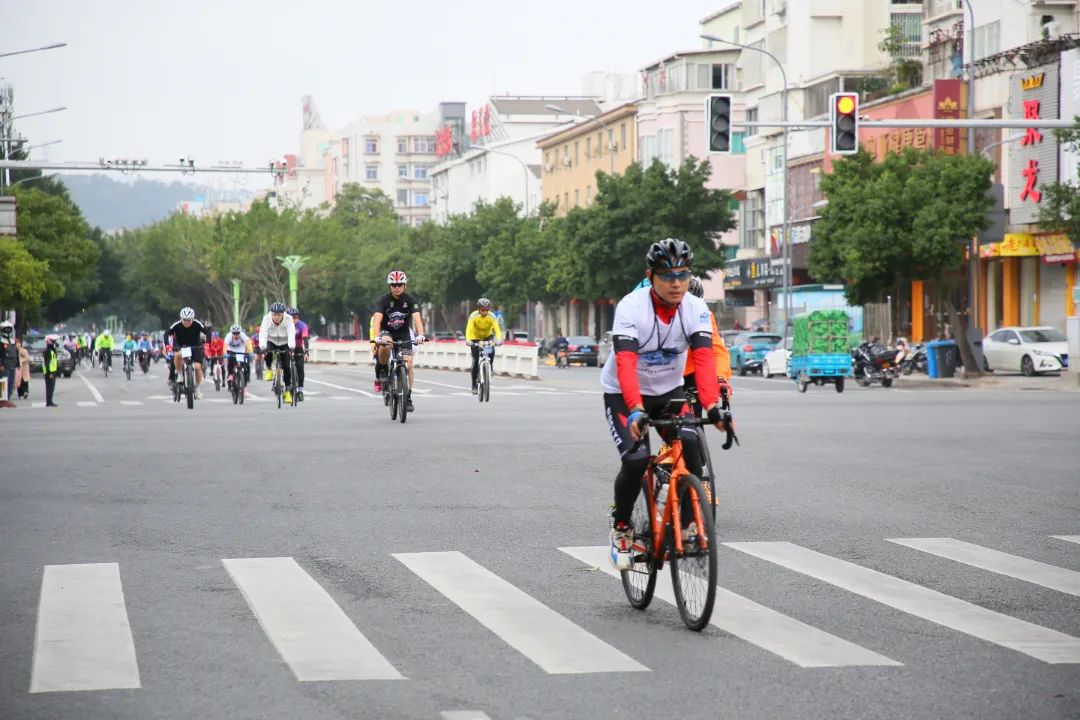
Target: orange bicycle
687	545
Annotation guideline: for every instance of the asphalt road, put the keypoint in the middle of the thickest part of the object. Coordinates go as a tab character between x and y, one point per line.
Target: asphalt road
323	562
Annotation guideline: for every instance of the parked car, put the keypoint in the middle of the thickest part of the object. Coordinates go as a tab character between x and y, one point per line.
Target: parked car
518	336
776	361
748	350
64	362
583	350
1028	350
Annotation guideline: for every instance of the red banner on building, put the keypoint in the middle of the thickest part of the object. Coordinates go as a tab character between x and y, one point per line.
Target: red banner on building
949	104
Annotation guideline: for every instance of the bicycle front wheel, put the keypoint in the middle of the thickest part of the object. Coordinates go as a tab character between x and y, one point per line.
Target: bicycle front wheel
485	388
403	392
639	581
693	573
709	481
277	387
189	386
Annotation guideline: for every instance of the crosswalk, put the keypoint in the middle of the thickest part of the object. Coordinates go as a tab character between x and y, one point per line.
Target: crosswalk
83	638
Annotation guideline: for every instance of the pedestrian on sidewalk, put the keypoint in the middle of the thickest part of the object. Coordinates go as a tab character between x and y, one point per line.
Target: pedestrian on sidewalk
9	356
23	381
49	368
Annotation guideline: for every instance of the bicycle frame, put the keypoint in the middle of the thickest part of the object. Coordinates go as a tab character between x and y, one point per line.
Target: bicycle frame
674	453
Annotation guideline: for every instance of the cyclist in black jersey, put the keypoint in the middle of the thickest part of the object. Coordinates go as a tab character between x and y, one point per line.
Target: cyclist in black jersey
188	332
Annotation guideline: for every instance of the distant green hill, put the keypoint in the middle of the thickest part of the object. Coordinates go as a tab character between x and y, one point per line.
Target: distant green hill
114	205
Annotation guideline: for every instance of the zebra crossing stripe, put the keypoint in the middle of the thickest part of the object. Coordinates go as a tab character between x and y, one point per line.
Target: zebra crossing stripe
1038	642
310	631
86	403
83	639
795	641
1068	538
539	633
1032	571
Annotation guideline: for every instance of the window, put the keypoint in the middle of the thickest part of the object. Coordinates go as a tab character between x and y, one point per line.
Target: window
423	144
753	67
611	146
547	162
566	200
738	143
371	146
420	172
371	171
588	194
588	147
403	145
577	198
988	40
665	147
751	116
576	158
647	148
403	171
402	198
622	131
420	199
599	144
753	219
721	76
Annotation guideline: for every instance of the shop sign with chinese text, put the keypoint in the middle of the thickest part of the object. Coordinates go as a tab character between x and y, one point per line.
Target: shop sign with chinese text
1033	160
753	273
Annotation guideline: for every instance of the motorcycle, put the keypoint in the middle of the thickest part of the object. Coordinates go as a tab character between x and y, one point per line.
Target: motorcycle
874	363
914	361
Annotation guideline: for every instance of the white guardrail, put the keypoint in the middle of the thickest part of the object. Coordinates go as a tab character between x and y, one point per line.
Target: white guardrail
517	360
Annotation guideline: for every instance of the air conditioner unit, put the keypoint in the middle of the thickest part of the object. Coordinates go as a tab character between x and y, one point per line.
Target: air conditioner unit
549	167
566	160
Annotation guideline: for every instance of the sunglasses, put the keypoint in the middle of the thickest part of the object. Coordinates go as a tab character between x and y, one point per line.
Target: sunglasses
670	277
397	285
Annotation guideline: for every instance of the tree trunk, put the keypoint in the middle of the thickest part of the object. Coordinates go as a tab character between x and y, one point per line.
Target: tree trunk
971	368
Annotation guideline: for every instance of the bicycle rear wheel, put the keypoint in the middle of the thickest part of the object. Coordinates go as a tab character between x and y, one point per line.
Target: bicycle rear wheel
693	575
189	386
403	392
639	581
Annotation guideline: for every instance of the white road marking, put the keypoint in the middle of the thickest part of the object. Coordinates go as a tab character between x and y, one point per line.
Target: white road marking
86	403
342	387
248	395
1032	571
1038	642
464	715
342	397
539	633
37	405
93	390
441	384
130	403
1068	538
795	641
83	639
159	397
310	631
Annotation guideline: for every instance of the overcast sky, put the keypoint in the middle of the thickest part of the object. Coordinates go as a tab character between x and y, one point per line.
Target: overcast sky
222	79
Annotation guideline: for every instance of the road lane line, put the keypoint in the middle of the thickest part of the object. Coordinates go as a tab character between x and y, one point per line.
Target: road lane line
1038	642
93	390
86	403
1032	571
130	403
310	631
341	387
464	715
83	639
37	405
795	641
1068	538
539	633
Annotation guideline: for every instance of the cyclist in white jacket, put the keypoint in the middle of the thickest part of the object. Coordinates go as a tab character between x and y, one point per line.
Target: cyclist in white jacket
236	346
276	336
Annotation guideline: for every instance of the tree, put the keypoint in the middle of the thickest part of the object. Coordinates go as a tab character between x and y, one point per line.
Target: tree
601	249
52	230
910	217
1060	206
906	72
24	277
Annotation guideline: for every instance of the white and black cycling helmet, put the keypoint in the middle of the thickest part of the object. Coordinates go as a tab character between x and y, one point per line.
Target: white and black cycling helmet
6	328
278	308
669	253
696	288
236	329
187	313
396	277
483	304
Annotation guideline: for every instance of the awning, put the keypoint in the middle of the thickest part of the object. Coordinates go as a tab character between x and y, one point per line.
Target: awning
1056	245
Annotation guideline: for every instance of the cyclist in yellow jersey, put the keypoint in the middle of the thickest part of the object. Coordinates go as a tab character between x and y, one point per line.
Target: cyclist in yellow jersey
482	325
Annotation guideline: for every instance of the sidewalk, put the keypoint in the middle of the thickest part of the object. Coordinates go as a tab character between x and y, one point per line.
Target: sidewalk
1064	382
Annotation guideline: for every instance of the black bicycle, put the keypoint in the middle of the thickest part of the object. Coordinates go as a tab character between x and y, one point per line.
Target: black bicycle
279	382
105	358
188	389
395	387
239	378
129	363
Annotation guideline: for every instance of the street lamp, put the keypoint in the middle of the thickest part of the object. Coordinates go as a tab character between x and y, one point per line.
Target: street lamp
594	118
37	49
515	157
786	224
293	263
5	134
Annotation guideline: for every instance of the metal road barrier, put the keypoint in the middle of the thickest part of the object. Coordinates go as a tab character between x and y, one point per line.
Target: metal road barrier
516	360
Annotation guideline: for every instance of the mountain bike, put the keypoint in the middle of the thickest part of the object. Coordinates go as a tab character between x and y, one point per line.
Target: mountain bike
105	360
673	524
189	377
279	384
129	363
483	376
396	385
239	379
